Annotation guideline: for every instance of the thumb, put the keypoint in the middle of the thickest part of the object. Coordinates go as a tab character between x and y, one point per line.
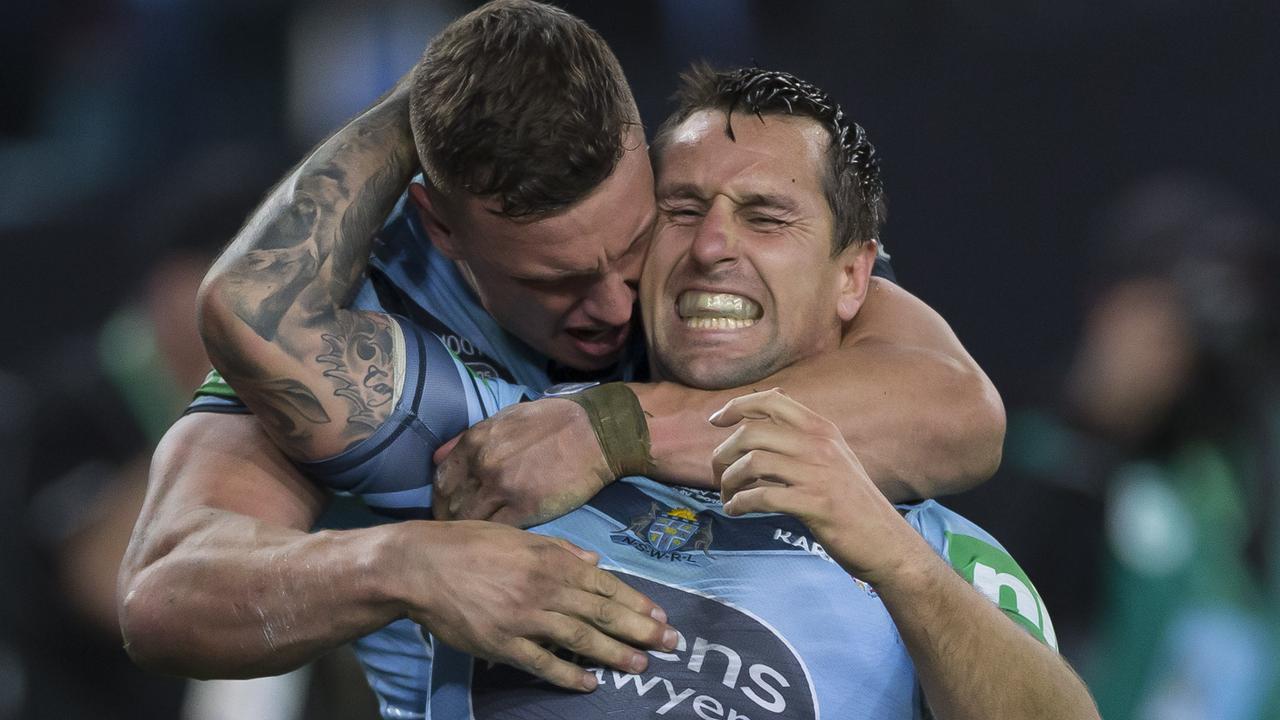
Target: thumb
443	451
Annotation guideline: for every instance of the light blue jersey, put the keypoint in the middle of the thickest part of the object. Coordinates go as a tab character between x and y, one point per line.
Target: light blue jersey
770	626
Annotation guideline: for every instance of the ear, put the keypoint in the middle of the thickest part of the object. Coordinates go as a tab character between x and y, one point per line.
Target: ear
431	205
855	263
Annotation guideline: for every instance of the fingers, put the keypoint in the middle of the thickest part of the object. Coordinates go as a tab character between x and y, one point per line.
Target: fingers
637	628
589	642
606	584
443	451
443	486
760	435
475	506
766	499
535	660
763	467
772	405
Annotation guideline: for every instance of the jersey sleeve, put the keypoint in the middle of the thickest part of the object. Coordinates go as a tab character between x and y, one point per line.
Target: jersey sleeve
391	470
984	563
215	395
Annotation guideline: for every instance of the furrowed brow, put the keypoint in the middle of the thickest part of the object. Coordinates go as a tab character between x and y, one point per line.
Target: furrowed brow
769	201
683	191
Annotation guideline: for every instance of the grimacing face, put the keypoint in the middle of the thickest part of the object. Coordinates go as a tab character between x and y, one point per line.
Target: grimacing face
564	284
740	281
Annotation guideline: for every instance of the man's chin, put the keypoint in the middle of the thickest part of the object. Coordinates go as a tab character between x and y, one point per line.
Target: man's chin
710	372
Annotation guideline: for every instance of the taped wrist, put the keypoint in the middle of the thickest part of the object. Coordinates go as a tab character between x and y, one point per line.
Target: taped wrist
620	427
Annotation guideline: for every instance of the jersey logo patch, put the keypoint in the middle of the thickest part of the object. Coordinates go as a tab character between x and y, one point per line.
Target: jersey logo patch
998	577
668	534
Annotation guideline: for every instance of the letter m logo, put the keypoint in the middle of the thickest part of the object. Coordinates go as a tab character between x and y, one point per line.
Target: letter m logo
995	574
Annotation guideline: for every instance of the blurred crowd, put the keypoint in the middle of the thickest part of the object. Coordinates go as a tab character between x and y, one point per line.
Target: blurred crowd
1089	198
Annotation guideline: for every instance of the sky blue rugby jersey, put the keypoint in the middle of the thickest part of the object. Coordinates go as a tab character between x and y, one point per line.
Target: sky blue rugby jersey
772	628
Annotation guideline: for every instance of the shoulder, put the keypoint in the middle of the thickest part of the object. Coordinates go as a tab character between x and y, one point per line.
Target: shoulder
984	563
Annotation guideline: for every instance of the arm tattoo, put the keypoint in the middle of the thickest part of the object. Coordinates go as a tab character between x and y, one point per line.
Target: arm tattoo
359	362
292	272
287	406
309	253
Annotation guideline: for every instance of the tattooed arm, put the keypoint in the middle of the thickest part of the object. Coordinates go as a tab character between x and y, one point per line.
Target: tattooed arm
272	308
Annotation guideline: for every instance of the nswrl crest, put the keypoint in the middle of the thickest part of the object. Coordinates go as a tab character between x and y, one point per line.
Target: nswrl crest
671	534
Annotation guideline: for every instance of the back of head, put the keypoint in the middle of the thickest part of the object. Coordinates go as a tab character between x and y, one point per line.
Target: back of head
523	103
852	182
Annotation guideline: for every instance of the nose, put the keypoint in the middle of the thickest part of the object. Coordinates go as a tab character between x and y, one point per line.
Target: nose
714	243
611	299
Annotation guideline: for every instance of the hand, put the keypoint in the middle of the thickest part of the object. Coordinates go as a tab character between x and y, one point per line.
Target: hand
501	594
785	458
528	464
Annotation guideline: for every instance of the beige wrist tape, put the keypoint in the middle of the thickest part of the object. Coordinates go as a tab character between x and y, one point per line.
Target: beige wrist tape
620	427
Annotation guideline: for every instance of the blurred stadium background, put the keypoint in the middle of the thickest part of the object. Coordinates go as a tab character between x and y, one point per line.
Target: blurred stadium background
1087	191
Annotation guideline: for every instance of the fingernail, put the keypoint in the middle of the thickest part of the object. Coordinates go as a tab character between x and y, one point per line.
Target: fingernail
669	639
638	663
658	614
588	681
715	415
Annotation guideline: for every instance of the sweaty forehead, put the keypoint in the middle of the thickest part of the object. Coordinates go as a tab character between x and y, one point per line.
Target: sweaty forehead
773	150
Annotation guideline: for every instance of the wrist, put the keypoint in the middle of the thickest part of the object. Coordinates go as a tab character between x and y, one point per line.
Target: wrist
621	429
681	439
907	570
384	566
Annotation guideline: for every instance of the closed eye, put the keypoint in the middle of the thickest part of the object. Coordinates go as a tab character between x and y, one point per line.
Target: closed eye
766	221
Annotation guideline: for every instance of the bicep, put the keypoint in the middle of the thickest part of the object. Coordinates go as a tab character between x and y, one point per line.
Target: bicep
318	385
212	461
894	316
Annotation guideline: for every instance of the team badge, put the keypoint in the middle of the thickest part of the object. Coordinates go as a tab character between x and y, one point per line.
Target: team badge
672	534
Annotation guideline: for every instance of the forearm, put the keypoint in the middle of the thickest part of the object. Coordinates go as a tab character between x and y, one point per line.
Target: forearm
304	250
237	597
972	661
221	578
920	414
923	428
273	309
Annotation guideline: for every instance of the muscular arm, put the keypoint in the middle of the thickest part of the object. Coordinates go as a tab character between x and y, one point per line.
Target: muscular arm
221	578
973	661
273	307
922	416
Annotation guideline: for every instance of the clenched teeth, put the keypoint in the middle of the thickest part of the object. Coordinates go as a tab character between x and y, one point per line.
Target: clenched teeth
717	323
694	305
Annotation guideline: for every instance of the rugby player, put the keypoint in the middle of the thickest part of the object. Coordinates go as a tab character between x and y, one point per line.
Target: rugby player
222	578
